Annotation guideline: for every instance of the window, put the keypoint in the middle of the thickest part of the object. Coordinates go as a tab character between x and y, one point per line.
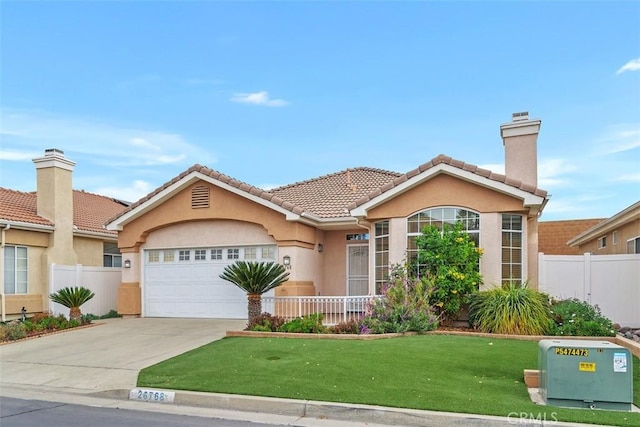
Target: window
250	253
184	255
169	256
363	236
233	253
268	252
111	255
200	255
602	242
439	216
15	269
381	233
216	254
153	256
633	245
511	249
614	238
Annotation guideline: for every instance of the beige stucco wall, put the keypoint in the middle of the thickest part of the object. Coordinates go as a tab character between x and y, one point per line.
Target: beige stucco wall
89	251
224	205
624	232
36	298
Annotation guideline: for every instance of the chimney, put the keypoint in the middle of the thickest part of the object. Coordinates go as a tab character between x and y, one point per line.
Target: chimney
54	195
520	139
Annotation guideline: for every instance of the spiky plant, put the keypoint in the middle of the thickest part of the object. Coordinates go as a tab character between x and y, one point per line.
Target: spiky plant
255	278
512	309
72	298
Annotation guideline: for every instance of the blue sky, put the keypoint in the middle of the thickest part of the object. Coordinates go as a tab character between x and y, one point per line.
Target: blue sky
272	93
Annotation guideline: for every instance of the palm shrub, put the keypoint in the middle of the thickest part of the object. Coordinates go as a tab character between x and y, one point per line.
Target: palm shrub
72	298
255	278
511	309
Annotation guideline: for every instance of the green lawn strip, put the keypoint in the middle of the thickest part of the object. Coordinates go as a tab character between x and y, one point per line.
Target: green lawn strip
433	372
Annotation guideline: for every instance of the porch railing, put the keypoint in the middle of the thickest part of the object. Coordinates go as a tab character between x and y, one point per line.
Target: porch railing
335	309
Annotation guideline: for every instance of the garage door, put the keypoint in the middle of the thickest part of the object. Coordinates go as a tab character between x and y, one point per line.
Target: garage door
186	282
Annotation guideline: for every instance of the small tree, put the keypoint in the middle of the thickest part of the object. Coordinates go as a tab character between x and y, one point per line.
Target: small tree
452	260
72	298
255	278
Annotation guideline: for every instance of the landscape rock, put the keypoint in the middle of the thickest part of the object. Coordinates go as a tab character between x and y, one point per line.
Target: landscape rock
624	329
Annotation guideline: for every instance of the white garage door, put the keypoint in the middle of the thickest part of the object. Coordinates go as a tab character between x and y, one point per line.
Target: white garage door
186	282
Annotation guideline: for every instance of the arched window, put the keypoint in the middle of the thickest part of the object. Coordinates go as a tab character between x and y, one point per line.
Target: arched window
439	216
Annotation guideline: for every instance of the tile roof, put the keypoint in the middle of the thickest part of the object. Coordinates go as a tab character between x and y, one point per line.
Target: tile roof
20	207
457	164
333	195
91	211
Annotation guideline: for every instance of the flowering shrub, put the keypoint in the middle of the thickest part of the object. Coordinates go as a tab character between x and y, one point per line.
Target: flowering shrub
404	306
452	260
575	317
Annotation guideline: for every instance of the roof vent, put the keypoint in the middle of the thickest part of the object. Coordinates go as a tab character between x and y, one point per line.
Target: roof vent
200	197
520	117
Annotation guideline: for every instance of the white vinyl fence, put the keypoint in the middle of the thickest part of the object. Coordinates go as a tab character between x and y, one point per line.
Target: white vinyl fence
335	309
102	281
612	282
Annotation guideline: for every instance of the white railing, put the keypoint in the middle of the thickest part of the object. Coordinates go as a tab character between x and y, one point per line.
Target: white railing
336	309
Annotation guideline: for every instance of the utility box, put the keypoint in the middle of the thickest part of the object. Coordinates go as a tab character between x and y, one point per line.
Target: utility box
585	374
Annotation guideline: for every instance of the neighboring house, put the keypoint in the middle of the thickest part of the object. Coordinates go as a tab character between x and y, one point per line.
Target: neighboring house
619	234
338	234
553	235
53	225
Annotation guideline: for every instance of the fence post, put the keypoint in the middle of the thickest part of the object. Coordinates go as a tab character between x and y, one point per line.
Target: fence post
344	310
586	286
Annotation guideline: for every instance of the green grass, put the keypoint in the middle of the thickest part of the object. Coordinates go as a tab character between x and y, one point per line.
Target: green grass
434	372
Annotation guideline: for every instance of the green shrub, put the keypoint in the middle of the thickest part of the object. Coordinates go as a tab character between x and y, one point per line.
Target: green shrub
351	326
112	314
579	318
403	307
74	323
29	325
15	330
512	309
265	323
310	323
452	260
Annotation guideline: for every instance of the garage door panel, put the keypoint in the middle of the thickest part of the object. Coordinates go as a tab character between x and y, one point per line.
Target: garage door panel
192	288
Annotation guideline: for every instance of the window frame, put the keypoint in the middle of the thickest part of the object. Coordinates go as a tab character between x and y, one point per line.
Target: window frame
511	279
16	282
381	247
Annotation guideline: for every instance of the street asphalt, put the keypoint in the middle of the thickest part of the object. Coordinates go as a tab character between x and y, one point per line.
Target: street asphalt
99	366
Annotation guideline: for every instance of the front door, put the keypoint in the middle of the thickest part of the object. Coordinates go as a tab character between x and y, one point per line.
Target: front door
357	270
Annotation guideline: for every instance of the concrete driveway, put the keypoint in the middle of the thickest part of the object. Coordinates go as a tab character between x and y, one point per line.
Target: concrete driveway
106	356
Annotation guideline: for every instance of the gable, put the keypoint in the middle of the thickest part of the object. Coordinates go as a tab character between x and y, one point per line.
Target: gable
222	205
445	190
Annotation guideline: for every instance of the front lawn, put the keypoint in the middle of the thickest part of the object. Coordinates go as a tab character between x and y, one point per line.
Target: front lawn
434	372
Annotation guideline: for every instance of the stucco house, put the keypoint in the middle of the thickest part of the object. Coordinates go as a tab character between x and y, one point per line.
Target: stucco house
338	234
53	225
619	234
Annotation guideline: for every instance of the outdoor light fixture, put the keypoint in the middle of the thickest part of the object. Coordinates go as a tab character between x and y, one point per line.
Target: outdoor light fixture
286	261
320	247
127	263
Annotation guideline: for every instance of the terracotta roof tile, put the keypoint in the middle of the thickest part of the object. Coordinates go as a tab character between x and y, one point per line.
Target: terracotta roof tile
20	207
90	211
328	196
332	195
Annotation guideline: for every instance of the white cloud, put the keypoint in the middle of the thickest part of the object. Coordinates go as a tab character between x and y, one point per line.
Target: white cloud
631	177
493	167
258	98
549	171
106	143
619	138
137	190
18	155
633	65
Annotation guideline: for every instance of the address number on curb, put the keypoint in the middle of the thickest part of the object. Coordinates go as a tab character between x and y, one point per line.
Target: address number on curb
159	396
